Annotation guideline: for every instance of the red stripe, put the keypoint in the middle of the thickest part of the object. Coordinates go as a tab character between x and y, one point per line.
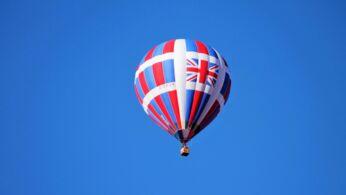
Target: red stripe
161	105
203	71
158	73
201	47
149	54
169	46
192	69
212	74
197	97
174	101
143	83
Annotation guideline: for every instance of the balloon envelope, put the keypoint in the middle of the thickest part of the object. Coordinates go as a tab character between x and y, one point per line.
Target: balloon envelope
182	85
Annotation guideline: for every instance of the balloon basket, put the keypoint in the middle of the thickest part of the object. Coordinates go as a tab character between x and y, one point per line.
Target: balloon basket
184	151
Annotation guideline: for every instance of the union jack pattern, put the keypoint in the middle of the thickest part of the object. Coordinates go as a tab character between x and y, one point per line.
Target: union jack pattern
192	71
182	85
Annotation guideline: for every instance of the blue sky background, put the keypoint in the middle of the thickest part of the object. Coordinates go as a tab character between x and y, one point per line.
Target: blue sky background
70	122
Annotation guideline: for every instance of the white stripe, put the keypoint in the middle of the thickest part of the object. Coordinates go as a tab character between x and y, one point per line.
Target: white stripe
152	61
164	88
199	87
216	91
168	56
180	76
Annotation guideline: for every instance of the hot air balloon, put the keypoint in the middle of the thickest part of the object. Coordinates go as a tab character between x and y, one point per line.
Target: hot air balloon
182	85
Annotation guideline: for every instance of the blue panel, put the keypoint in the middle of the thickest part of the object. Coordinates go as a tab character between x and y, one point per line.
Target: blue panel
189	101
191	45
168	105
179	135
159	49
204	101
211	51
225	84
149	77
168	71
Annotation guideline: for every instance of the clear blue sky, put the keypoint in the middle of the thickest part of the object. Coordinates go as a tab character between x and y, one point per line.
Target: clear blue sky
70	122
